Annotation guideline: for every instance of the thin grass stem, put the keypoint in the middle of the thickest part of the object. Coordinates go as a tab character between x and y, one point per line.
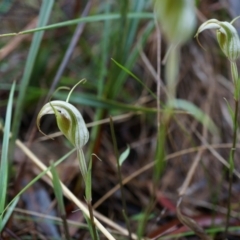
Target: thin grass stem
94	230
95	18
234	73
59	196
88	196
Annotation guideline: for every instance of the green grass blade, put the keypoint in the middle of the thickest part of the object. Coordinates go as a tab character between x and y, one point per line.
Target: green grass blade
135	77
4	159
97	102
132	57
197	113
57	189
103	72
85	99
133	26
90	228
35	180
95	18
37	38
8	214
59	195
105	44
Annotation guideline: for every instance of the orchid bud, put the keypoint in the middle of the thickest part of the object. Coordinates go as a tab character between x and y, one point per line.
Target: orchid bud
227	37
71	124
177	19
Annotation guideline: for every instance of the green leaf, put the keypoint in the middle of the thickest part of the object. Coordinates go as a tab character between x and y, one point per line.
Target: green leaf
37	38
8	213
57	189
124	156
4	159
35	180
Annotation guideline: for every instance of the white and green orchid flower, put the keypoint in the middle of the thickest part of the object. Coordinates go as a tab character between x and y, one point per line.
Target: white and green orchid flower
227	37
70	122
177	19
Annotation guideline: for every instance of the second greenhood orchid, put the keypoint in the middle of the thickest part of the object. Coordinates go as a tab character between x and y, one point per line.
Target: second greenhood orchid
229	43
177	19
70	122
227	37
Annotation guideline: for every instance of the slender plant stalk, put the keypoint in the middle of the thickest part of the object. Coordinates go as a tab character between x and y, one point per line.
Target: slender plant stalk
65	226
59	196
152	200
88	196
124	210
234	73
94	230
143	222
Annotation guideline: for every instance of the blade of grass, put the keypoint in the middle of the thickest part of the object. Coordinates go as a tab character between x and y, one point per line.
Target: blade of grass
92	100
88	196
105	46
135	77
132	57
85	99
95	235
44	15
59	195
8	214
35	179
197	113
133	25
4	167
95	18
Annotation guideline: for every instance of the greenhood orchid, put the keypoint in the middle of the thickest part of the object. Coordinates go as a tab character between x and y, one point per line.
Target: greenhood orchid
177	19
70	122
227	37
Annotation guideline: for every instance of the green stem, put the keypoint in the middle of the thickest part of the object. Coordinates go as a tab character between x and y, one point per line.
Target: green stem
234	73
88	196
65	226
94	230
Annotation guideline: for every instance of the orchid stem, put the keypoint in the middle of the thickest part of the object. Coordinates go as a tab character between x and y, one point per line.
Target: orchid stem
234	73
